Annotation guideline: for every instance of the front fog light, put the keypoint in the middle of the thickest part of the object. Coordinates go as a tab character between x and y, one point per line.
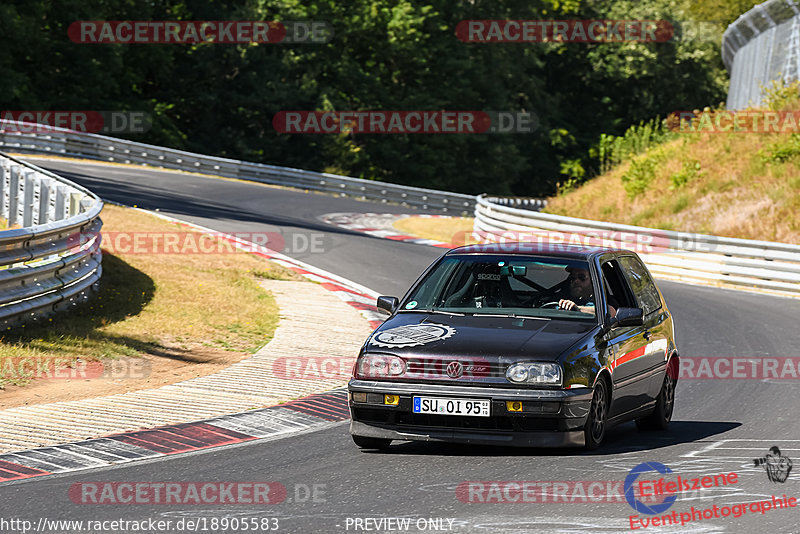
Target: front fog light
513	406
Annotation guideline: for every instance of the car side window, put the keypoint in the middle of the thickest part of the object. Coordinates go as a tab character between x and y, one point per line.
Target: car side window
617	292
641	283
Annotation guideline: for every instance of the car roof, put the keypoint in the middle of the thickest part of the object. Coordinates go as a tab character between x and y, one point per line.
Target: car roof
559	250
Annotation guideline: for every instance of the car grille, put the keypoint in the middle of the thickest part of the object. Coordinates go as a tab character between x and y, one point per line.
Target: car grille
436	368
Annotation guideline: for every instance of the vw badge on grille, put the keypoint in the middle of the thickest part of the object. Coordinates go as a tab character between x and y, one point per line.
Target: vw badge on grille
455	369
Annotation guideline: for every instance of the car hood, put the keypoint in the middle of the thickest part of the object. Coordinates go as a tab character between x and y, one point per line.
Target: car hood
504	338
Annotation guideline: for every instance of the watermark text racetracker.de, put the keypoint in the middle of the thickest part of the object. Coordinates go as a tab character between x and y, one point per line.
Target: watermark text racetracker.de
404	122
342	368
738	368
24	368
588	31
644	241
86	121
194	493
179	242
690	368
543	491
262	523
199	31
734	122
565	31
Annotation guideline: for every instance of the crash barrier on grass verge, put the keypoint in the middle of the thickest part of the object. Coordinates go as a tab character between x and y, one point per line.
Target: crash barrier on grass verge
25	137
525	203
688	257
50	250
762	45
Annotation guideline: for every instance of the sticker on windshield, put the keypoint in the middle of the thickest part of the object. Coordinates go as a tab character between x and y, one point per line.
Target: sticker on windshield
412	335
411	305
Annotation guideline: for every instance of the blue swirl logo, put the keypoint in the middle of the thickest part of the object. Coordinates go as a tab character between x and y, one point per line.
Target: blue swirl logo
630	481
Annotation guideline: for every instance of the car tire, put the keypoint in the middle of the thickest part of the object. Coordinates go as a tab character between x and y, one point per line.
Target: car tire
595	428
665	404
364	442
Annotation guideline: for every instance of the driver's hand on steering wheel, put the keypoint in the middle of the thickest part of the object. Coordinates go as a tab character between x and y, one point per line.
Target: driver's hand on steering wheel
566	304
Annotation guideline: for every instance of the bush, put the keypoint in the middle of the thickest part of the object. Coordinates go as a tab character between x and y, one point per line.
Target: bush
783	151
641	172
690	171
779	96
613	149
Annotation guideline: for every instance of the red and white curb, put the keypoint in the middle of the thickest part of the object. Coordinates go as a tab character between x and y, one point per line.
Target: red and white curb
381	225
312	412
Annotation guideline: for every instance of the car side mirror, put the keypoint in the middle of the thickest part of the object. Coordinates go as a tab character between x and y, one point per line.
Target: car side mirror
628	317
624	317
387	304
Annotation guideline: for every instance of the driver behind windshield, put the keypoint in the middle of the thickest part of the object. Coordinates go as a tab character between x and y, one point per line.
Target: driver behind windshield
581	293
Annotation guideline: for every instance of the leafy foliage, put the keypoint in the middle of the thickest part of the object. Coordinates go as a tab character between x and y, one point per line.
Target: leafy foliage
691	170
614	149
642	172
386	55
782	151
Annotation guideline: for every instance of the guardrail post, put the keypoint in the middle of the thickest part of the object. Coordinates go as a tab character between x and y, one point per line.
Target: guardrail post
74	204
61	195
27	204
43	215
4	184
13	192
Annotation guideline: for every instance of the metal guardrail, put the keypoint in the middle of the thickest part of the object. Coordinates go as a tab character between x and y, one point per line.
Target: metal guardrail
50	254
24	137
707	259
526	203
760	46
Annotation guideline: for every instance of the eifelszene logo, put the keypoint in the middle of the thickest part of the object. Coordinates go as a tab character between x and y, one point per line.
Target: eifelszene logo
629	486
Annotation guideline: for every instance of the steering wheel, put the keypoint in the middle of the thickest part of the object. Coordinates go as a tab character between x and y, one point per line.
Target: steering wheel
549	305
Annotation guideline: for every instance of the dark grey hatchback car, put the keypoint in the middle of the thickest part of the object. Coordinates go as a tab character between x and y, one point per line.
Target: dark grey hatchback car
518	344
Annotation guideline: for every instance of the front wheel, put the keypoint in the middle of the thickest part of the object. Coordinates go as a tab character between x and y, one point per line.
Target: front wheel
364	442
665	404
595	428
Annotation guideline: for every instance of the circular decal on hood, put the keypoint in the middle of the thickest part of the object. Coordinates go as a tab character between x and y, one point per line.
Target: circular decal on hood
412	335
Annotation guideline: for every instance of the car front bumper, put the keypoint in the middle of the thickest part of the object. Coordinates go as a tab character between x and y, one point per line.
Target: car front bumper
551	418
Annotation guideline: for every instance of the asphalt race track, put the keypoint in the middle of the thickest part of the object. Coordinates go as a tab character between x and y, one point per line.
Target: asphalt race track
719	426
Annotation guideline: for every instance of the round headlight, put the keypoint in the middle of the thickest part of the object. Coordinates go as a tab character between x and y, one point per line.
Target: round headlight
379	366
517	373
396	367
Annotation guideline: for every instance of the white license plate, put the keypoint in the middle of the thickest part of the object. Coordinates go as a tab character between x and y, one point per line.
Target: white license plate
450	406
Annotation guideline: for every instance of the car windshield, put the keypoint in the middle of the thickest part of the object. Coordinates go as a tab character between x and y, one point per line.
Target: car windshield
506	285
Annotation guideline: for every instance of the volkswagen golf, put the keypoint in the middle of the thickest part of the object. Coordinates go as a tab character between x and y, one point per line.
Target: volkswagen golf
518	344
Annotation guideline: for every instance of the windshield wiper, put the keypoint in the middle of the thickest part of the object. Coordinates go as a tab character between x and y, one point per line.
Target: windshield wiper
514	315
442	312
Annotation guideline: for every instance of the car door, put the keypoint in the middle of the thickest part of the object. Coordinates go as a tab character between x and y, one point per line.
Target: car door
627	346
656	326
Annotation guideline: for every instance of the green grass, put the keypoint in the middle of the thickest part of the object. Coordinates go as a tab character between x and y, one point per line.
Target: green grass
159	304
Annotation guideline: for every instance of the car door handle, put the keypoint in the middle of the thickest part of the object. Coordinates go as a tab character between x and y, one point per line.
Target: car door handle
647	335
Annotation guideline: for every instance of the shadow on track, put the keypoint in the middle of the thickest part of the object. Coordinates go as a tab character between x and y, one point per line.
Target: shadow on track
620	439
